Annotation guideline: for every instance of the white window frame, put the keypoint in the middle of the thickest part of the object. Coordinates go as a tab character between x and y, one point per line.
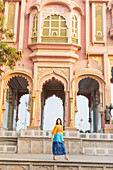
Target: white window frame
74	25
15	19
94	22
78	16
59	27
33	12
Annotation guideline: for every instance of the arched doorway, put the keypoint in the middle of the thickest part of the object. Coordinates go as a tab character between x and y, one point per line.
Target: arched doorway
23	114
89	88
17	87
50	88
82	116
53	109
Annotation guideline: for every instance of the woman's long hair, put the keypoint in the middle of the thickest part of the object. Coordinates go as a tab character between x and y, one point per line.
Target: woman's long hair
57	121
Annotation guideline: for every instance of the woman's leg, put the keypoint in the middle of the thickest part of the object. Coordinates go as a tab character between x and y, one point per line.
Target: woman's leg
54	157
66	158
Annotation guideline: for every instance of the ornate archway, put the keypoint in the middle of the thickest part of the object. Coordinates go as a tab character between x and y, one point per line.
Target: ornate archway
14	86
50	88
91	87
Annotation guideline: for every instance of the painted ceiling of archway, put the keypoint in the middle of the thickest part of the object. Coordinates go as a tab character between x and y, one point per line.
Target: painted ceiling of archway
53	87
19	83
87	85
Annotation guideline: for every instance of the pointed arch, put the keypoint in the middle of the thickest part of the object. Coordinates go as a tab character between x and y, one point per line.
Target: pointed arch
59	78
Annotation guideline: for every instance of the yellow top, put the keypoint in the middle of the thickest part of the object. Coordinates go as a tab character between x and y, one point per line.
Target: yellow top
57	129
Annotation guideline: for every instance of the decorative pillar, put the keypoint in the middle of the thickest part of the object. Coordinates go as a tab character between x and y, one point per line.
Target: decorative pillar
75	105
87	26
38	100
71	111
3	105
42	109
96	108
101	110
17	111
13	104
29	102
67	108
33	111
21	31
75	97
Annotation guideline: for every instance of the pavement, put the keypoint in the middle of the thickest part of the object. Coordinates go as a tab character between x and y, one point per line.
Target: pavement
49	158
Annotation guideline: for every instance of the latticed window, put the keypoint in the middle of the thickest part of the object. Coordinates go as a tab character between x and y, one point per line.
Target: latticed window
10	20
74	30
54	27
34	29
99	23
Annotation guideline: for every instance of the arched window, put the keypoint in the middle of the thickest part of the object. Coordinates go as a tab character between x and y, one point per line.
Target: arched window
99	24
74	30
54	27
10	20
34	29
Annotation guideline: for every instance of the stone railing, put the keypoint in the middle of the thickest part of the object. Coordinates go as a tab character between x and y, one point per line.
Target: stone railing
47	133
39	142
8	149
97	151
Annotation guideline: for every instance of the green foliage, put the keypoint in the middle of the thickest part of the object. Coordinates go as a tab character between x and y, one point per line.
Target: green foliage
8	55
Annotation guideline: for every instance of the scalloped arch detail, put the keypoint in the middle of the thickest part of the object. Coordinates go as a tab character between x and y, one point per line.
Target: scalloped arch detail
48	77
7	79
78	79
55	96
51	80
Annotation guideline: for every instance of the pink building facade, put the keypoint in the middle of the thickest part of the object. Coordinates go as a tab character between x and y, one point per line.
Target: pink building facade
67	50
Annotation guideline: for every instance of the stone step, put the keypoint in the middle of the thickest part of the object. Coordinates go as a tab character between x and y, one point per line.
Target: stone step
45	162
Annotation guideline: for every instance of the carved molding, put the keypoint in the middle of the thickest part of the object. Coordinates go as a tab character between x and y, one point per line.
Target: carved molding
43	71
99	60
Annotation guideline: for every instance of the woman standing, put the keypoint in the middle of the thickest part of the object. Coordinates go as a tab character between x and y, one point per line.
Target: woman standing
58	141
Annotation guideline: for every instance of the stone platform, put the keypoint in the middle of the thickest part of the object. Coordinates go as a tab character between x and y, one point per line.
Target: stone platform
45	162
39	142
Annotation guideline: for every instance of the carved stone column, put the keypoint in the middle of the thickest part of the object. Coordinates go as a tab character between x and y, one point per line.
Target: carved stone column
42	110
71	111
33	111
75	98
101	110
3	106
66	108
38	103
96	107
29	102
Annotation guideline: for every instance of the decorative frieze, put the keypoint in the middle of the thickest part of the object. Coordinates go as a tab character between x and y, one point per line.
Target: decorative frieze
43	71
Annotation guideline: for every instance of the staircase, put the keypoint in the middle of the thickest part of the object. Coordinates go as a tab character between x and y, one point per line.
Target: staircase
45	162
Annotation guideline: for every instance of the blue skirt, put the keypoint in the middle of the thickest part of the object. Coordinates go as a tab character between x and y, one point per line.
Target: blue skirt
59	148
58	145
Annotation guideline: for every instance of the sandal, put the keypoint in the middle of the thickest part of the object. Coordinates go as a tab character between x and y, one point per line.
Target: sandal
54	158
66	158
